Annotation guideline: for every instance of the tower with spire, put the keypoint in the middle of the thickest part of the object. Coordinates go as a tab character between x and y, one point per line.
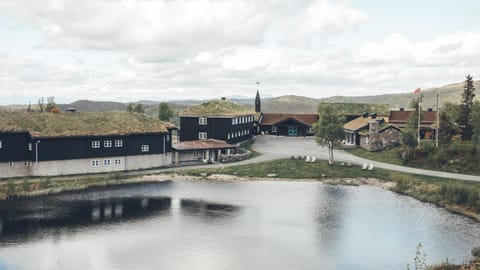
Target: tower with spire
258	103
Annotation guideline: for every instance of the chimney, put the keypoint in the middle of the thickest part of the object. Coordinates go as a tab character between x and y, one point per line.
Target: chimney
374	116
365	115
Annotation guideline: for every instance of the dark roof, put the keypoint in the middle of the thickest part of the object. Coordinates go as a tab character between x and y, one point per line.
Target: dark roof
275	118
80	124
202	144
401	117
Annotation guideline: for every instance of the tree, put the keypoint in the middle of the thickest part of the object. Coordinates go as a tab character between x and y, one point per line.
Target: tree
130	107
446	129
475	122
41	104
329	129
466	108
139	108
164	112
51	105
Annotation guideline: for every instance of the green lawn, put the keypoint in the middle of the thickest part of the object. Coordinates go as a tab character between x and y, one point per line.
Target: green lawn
387	155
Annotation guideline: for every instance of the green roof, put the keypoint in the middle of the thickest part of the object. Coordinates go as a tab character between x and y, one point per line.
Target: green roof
80	123
217	108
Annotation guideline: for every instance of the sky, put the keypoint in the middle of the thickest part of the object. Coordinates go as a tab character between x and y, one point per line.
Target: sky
201	49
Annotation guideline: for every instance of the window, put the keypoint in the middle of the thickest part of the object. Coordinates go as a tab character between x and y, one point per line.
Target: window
202	121
0	144
10	164
195	154
118	161
118	143
94	163
30	146
25	163
168	138
310	130
274	128
95	144
228	136
233	121
202	135
106	162
145	148
107	144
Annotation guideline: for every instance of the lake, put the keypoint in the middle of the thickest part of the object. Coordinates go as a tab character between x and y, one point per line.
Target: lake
229	225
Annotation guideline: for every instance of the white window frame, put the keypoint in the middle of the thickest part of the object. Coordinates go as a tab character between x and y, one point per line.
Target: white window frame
30	146
0	144
95	144
145	148
195	154
25	163
168	138
107	144
310	130
10	164
118	161
202	135
107	162
274	129
202	120
94	163
118	143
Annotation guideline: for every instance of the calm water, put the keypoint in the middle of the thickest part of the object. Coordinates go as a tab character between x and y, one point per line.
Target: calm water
224	225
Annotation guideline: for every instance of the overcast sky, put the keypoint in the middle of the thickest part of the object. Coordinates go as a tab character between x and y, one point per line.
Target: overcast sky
196	49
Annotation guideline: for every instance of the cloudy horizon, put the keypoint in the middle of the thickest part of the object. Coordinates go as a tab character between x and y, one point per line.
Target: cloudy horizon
200	49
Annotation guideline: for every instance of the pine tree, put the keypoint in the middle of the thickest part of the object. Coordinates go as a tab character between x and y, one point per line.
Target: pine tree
463	120
164	112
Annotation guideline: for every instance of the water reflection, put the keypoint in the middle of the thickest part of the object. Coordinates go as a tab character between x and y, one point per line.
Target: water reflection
31	219
208	210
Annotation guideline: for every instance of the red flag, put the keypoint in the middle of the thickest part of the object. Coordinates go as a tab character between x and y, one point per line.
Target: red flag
416	91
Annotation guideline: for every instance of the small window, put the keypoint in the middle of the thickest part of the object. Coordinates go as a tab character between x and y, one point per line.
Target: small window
30	147
274	128
233	121
202	121
10	164
202	135
145	148
25	163
95	163
118	143
195	154
228	136
107	144
310	130
168	138
106	162
95	144
118	161
0	144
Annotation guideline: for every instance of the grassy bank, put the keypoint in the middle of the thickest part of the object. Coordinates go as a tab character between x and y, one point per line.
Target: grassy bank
458	196
18	187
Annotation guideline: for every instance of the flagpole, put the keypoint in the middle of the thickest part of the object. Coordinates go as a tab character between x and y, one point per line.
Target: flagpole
438	122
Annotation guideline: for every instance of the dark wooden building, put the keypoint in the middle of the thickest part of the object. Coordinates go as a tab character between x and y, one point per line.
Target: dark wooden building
73	143
287	124
219	120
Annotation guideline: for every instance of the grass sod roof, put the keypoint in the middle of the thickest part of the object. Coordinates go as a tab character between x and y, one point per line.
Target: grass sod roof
217	108
80	124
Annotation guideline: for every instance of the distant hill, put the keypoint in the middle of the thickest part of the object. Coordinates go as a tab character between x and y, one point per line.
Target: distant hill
448	93
94	106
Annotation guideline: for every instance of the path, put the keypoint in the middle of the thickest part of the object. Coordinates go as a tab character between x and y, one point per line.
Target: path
273	147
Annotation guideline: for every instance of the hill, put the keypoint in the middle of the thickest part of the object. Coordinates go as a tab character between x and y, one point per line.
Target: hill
448	93
94	106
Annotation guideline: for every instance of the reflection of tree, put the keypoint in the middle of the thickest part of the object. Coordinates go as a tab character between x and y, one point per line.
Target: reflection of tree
207	209
330	216
33	218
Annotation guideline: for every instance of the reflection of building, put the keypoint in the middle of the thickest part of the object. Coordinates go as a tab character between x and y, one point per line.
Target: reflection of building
36	217
74	143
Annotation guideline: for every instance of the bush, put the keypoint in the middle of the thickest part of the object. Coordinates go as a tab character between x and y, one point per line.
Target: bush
476	252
